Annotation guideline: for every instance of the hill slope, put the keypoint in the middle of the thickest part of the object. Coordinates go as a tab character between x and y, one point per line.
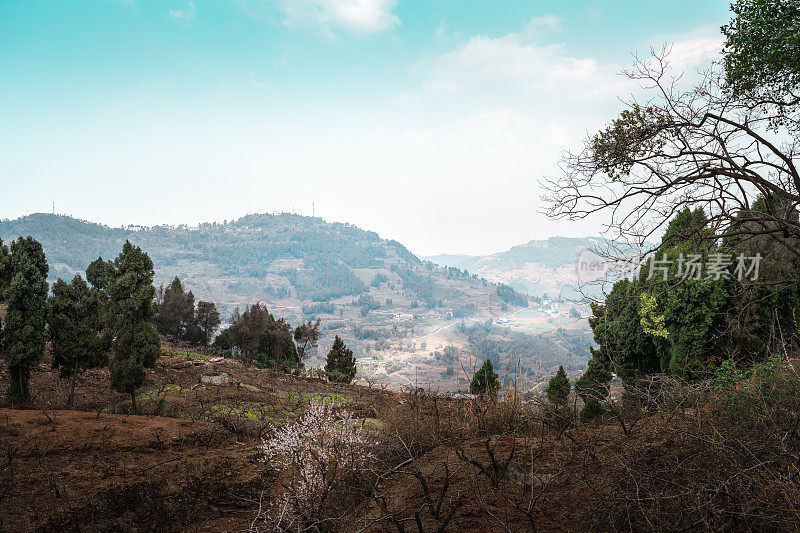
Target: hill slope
536	267
395	310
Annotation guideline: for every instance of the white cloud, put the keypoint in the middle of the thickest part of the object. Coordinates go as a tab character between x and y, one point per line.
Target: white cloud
695	51
330	16
490	116
184	15
520	66
418	136
516	61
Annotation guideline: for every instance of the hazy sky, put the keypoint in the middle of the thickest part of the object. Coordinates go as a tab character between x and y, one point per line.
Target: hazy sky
430	122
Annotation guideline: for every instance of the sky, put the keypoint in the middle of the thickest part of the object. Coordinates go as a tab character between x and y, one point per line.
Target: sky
429	122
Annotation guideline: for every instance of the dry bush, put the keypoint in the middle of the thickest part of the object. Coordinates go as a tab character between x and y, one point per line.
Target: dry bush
667	455
729	463
323	459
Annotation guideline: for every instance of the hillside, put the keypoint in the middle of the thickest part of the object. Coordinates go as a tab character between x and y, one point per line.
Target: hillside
409	321
193	459
538	267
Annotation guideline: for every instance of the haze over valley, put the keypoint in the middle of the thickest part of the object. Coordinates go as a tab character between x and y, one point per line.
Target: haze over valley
410	321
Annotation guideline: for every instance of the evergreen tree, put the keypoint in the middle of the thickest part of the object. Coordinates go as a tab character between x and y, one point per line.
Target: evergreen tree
175	315
248	331
5	274
24	334
75	328
5	269
558	388
261	338
340	364
97	273
280	343
760	54
130	308
485	380
207	320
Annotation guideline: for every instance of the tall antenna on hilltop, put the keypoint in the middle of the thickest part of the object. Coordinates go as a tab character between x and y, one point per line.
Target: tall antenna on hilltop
313	210
54	207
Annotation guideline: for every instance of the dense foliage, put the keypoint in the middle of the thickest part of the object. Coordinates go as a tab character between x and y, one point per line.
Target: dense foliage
76	329
340	364
559	387
256	335
511	296
485	380
23	335
130	293
175	314
670	320
761	54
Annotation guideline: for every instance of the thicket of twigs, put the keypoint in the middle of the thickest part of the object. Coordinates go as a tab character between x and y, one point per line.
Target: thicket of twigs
667	454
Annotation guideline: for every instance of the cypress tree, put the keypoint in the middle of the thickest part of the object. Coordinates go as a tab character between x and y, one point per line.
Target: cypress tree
75	328
485	380
593	385
130	308
558	388
340	364
207	320
5	266
175	311
97	274
24	334
5	274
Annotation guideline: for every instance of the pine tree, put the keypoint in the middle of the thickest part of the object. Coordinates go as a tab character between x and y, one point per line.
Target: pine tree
593	385
485	380
75	327
176	311
340	364
24	334
558	388
97	274
130	307
207	319
5	269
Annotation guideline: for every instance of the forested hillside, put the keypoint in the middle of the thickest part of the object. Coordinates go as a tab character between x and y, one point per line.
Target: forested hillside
393	308
259	256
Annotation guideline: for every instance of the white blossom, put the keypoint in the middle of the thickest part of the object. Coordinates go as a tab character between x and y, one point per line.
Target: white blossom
320	449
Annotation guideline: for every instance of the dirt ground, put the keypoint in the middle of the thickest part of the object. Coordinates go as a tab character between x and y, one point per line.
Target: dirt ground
189	462
189	459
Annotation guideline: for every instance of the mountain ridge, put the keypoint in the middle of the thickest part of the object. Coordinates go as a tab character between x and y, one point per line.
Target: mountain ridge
407	319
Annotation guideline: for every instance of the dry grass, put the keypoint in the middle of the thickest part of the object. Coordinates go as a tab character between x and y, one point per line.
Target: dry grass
668	455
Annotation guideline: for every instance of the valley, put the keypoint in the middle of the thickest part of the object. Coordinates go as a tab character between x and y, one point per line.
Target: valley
411	323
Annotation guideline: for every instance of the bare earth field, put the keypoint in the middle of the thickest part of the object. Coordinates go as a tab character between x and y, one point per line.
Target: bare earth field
190	459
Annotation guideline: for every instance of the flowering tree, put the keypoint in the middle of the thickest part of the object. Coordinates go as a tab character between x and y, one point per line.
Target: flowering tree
318	453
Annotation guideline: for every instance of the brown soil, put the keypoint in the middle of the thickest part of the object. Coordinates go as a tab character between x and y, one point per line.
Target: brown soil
188	463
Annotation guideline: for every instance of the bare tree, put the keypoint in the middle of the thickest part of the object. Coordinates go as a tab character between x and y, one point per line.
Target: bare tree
685	148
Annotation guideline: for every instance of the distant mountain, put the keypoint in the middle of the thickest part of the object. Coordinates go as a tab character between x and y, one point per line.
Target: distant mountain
258	257
537	267
389	305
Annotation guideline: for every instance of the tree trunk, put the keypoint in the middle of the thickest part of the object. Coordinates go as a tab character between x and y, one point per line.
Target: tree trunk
71	399
133	402
23	385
